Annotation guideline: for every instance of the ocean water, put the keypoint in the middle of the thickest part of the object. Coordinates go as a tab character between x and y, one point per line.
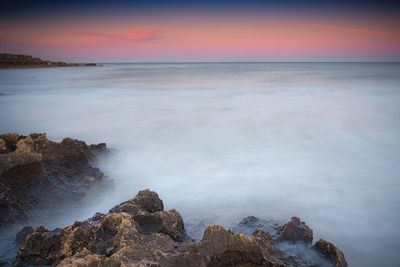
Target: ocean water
220	141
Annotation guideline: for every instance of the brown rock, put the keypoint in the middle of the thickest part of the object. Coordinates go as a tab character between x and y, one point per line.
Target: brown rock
331	252
166	222
224	248
24	175
295	230
34	170
40	248
35	142
149	201
147	210
136	233
10	160
11	140
145	201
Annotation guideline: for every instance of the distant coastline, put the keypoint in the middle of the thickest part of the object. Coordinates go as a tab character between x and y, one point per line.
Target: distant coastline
28	61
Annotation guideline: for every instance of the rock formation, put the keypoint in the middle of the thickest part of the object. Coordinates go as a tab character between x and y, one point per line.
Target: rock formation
296	230
34	170
139	232
12	60
331	251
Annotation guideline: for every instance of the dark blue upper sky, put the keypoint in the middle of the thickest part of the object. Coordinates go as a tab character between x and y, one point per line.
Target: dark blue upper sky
20	7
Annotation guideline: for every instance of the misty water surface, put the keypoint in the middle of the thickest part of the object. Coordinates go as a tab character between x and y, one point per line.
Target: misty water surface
222	141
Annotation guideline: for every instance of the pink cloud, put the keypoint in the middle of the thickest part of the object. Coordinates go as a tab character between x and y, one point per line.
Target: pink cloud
133	35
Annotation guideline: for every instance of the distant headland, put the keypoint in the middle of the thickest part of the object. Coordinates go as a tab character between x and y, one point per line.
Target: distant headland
27	61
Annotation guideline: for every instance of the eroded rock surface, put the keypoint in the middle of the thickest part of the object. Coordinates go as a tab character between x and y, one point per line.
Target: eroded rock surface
296	230
331	251
34	169
139	232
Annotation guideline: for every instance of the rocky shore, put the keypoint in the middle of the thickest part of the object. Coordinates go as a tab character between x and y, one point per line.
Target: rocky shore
37	175
26	61
137	232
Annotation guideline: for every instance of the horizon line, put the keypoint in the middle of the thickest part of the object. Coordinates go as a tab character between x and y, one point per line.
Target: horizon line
239	62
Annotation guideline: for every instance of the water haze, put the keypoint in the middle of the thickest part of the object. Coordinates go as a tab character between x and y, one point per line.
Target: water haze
220	141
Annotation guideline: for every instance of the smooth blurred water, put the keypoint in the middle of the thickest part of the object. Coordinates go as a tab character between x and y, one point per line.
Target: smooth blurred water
222	141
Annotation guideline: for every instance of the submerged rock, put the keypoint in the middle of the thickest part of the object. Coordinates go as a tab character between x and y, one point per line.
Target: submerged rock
139	232
34	169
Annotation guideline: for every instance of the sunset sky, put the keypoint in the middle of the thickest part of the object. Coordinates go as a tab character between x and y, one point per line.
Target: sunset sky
133	31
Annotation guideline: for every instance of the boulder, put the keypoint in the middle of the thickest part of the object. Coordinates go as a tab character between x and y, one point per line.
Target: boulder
295	230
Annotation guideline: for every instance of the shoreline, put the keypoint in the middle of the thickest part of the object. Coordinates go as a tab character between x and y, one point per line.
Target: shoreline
50	67
135	231
13	61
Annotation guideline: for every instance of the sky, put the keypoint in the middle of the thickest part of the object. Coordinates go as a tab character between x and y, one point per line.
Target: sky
197	31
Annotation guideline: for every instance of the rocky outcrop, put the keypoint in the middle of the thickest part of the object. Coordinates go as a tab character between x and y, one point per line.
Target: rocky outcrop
139	232
34	169
331	251
12	60
295	230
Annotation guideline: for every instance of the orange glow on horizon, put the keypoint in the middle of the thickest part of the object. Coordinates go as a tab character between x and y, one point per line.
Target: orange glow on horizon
193	38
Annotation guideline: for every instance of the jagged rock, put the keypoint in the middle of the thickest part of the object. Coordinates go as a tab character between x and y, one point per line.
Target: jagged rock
225	248
295	230
34	169
145	201
145	235
139	232
149	201
172	225
332	252
41	247
10	140
147	210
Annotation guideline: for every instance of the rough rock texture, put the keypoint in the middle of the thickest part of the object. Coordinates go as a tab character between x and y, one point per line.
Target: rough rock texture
34	169
139	232
331	251
12	60
296	230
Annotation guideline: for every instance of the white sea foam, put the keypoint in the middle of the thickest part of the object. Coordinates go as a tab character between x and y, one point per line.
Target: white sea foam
222	141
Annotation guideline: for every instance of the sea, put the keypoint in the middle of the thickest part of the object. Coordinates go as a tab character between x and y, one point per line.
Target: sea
221	141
